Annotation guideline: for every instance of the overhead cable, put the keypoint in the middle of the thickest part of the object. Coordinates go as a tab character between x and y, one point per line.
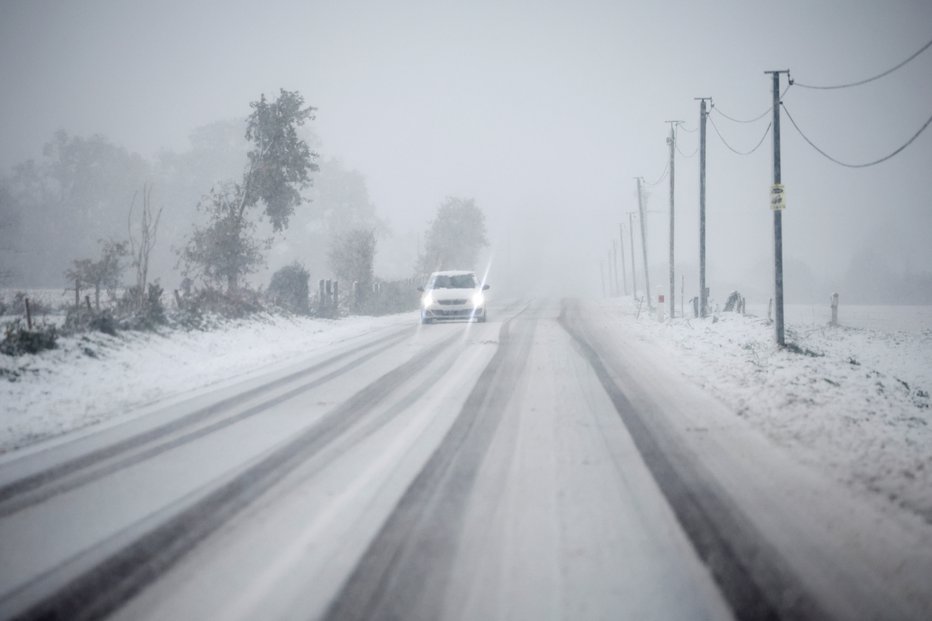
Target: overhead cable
860	82
725	142
662	176
756	118
847	165
683	154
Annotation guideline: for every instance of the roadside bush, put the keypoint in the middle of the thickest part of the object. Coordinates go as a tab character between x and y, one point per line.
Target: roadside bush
82	319
289	289
147	316
18	340
198	304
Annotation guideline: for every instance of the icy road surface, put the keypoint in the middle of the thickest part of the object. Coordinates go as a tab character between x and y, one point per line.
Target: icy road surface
527	468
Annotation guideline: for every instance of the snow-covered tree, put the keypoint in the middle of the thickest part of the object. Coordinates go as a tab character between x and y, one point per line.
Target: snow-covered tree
454	237
278	168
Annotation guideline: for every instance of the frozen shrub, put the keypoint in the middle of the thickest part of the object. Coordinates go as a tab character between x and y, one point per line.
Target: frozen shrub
200	303
19	340
144	315
289	288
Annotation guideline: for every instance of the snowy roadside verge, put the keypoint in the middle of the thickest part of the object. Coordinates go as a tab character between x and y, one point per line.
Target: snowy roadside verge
850	401
93	378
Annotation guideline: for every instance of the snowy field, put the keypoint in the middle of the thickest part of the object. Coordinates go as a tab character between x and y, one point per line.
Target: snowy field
914	319
852	400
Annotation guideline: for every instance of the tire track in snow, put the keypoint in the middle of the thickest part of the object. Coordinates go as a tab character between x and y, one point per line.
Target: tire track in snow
61	478
404	570
751	576
143	556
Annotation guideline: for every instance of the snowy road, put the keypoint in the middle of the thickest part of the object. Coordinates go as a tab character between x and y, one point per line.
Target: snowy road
521	469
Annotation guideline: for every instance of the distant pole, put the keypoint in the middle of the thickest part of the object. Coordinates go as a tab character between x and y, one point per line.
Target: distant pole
609	275
615	267
621	251
777	191
702	288
634	277
671	141
650	305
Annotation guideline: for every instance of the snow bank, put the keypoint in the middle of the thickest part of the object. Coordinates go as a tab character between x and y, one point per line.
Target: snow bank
852	401
93	378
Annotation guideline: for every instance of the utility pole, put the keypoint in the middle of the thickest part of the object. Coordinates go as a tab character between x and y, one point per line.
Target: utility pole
621	251
650	304
702	288
634	278
672	142
610	276
615	267
602	275
777	204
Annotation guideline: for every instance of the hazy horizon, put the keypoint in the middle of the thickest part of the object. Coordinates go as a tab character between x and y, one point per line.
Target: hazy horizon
544	113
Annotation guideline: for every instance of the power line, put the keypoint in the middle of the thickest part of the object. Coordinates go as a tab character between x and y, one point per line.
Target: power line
847	165
678	150
725	142
691	131
756	118
860	82
662	176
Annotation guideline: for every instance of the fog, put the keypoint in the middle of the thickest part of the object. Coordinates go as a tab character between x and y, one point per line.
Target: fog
543	112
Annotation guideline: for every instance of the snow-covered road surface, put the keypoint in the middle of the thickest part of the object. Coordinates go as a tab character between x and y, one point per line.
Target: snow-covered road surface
524	468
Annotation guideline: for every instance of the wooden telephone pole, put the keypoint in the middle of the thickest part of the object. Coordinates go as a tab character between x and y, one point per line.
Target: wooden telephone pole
777	204
703	296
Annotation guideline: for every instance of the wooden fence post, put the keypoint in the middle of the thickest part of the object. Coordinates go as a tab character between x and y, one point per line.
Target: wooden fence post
28	314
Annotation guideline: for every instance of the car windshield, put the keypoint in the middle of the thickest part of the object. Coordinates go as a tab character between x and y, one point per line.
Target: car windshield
454	281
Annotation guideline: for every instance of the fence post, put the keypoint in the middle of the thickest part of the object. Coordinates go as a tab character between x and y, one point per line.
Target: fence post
77	295
336	297
834	309
28	314
87	299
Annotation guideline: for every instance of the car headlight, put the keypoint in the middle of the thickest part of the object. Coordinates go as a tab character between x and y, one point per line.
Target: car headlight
478	299
427	300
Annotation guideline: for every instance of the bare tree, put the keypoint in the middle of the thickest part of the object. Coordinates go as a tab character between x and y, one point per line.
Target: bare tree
105	273
141	248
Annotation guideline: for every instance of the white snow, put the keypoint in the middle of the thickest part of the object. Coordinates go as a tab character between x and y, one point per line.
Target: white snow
851	401
855	402
94	378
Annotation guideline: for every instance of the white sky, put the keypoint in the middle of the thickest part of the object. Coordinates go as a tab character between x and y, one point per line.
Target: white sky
543	111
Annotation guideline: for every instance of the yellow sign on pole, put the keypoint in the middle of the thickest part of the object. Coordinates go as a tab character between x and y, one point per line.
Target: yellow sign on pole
777	197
